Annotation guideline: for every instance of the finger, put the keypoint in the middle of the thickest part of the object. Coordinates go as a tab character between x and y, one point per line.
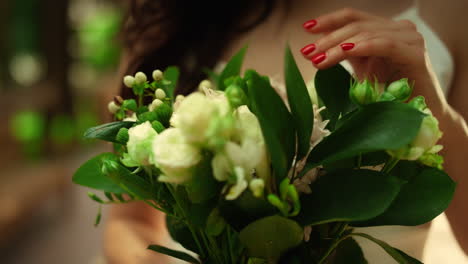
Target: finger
335	20
396	51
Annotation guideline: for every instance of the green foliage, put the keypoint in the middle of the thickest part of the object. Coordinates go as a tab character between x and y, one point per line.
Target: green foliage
347	252
427	194
180	232
233	68
90	174
174	253
107	132
374	127
172	75
276	123
348	195
300	104
398	255
332	87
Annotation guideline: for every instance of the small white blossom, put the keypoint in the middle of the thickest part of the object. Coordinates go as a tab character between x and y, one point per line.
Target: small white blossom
155	104
303	184
140	78
160	94
205	84
129	81
175	156
238	188
140	140
257	186
157	75
113	107
319	131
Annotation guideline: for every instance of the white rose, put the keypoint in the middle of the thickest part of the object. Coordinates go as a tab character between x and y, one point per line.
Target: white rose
175	156
140	140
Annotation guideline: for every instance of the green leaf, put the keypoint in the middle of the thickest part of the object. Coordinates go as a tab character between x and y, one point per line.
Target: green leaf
107	131
171	74
349	251
98	216
348	195
233	68
180	232
215	223
271	236
300	104
427	194
332	87
203	185
398	255
276	123
174	253
132	183
90	175
374	127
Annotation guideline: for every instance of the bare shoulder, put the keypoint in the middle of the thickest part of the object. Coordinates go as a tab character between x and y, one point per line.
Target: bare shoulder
448	19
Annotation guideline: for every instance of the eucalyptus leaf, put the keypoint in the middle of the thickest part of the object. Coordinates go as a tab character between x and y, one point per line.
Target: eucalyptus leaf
332	87
270	237
300	104
232	68
396	254
276	123
107	132
374	127
348	195
426	195
90	175
174	253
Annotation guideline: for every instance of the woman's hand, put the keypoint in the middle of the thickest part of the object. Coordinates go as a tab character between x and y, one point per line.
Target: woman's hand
375	47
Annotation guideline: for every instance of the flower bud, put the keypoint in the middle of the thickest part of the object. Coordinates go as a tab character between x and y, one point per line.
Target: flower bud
205	84
140	78
257	187
157	126
113	107
122	135
418	102
400	89
129	81
164	113
155	104
160	94
236	96
362	93
386	97
158	75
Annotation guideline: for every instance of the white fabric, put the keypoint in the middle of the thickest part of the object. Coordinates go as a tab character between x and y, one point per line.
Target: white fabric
412	240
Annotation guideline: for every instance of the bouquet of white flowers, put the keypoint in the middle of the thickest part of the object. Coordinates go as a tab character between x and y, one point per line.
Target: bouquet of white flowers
247	177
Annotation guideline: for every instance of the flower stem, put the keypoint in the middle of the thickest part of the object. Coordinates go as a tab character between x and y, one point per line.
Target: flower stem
390	164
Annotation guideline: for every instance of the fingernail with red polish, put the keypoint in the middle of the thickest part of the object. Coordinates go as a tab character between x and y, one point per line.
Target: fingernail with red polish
347	46
308	49
319	58
310	24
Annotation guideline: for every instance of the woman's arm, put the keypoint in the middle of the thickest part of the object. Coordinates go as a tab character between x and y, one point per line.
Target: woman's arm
130	229
447	19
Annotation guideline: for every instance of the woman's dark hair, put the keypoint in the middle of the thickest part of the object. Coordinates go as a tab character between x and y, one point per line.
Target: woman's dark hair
189	34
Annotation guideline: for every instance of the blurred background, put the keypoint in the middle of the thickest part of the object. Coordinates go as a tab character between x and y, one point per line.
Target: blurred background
58	71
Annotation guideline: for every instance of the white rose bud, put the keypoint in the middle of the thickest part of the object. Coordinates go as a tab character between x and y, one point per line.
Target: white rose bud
158	75
129	81
155	104
140	78
140	140
160	94
205	84
363	92
257	186
400	89
113	107
175	156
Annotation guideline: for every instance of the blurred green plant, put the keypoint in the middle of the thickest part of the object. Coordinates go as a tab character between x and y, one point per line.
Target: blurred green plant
28	128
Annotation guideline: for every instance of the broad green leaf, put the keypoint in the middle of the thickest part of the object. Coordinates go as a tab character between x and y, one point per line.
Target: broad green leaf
171	74
233	68
203	185
300	104
348	195
180	232
347	252
90	175
276	123
174	253
132	183
215	224
374	127
107	131
398	255
426	195
332	87
271	236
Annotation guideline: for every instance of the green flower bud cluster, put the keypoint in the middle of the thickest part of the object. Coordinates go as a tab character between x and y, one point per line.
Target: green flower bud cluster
288	203
366	92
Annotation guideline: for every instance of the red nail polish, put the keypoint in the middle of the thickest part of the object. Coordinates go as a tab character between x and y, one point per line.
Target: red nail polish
310	24
319	58
308	49
347	46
